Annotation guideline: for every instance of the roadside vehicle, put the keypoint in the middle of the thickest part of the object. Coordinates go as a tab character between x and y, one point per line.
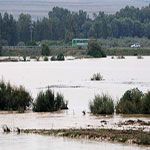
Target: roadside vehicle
136	45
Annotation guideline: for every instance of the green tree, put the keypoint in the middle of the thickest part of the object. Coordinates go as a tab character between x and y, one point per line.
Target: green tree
95	49
0	50
45	50
23	27
31	43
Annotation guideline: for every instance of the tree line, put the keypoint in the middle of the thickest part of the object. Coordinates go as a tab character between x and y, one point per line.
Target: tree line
64	25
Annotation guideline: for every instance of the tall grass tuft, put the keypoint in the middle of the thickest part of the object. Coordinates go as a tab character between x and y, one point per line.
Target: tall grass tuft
97	77
48	102
102	105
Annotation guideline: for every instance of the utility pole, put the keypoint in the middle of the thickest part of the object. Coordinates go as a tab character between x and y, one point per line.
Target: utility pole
31	31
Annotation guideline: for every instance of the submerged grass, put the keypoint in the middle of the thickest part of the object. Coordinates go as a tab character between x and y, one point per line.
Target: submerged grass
124	136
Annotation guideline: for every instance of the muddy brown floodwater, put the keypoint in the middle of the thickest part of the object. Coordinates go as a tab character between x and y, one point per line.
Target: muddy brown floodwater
34	142
72	78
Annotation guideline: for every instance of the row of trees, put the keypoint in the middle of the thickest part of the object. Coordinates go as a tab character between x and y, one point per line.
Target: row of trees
62	24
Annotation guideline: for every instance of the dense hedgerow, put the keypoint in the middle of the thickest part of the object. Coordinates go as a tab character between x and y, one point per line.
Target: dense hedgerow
14	98
102	105
48	102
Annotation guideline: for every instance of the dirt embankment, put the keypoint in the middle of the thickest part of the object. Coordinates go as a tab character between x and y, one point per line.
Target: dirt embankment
125	136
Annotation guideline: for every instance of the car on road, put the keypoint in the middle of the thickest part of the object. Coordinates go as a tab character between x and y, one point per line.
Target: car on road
136	45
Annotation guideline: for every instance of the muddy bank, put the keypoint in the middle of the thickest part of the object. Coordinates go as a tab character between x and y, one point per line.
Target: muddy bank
125	136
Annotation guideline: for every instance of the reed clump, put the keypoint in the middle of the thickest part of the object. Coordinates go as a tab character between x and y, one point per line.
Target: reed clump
97	77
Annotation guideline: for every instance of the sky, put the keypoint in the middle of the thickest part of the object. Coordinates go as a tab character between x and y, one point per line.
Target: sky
40	8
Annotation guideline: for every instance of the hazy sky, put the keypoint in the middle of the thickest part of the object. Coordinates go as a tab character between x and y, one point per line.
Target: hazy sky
40	8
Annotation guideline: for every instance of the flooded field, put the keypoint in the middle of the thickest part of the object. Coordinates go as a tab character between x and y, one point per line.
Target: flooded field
40	8
72	78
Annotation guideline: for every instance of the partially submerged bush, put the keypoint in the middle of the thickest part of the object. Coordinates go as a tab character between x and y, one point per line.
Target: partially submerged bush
139	57
14	98
102	105
53	58
97	77
45	58
131	102
95	49
47	102
120	57
146	103
59	57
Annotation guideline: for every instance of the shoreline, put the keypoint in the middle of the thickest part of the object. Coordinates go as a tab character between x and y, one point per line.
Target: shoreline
137	137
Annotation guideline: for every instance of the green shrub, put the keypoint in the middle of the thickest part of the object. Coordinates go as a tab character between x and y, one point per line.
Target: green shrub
146	103
95	49
14	98
46	58
59	57
102	105
53	58
144	139
47	102
24	58
130	103
45	50
31	43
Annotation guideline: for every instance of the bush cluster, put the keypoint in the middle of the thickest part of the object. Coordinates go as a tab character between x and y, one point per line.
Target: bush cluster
14	98
18	99
95	49
45	58
59	57
102	105
48	102
134	101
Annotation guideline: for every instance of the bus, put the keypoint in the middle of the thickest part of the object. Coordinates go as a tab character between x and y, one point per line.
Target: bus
80	42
